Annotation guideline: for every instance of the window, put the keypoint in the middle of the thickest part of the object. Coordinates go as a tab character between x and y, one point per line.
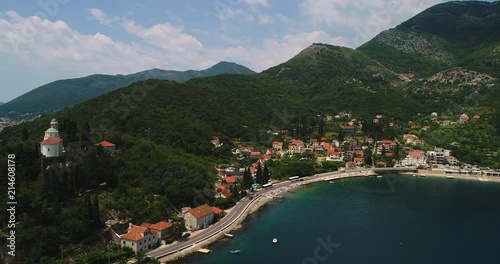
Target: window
132	243
124	242
48	149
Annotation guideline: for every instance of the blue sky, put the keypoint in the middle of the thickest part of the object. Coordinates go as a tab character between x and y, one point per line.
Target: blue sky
48	40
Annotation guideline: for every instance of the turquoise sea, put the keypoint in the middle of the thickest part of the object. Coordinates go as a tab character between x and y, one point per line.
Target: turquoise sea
394	219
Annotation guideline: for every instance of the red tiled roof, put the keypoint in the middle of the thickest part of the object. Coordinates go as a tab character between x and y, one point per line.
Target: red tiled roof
135	233
105	144
231	179
162	225
217	210
255	153
145	224
132	236
226	193
265	157
359	159
51	141
201	211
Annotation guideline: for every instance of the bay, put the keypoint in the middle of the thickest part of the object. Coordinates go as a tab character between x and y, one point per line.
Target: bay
394	219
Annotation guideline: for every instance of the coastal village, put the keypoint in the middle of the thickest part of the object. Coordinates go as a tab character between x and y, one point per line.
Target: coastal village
348	147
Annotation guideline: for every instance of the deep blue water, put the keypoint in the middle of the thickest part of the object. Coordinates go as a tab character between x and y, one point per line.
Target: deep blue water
365	220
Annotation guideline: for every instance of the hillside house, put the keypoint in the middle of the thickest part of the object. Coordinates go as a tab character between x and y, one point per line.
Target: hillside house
139	238
108	146
278	146
199	217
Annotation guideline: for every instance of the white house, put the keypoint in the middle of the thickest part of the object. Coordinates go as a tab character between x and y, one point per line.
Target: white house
199	217
437	156
414	158
139	238
52	145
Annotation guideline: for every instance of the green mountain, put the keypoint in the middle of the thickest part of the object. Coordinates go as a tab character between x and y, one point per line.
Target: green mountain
464	34
335	78
66	93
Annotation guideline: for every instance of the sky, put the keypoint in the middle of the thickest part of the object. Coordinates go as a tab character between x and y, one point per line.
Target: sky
47	40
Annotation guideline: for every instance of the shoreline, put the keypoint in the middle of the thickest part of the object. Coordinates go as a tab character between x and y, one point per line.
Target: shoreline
256	204
265	198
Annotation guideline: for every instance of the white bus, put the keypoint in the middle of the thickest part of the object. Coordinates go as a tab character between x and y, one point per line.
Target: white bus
267	185
294	178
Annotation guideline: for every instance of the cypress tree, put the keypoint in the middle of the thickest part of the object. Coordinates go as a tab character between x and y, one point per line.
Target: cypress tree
247	178
95	213
258	176
265	174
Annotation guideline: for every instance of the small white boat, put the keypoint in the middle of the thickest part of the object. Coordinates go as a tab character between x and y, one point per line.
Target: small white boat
275	240
234	251
331	181
379	176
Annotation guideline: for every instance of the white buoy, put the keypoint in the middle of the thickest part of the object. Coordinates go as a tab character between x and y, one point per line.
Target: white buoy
275	240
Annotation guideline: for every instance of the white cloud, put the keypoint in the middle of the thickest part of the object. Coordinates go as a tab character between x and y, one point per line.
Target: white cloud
165	36
366	18
265	20
56	46
274	51
101	16
58	51
257	3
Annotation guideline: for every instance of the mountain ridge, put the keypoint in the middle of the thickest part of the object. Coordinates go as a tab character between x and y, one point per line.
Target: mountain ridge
467	36
41	99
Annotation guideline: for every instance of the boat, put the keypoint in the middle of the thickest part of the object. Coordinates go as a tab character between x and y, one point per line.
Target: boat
379	176
234	251
331	181
275	240
228	235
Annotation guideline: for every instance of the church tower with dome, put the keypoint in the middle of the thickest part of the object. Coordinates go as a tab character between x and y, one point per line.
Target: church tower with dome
52	146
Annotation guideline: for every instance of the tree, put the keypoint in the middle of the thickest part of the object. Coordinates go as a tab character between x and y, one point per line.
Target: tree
247	179
258	176
85	133
265	174
340	137
321	127
88	213
71	131
95	213
26	135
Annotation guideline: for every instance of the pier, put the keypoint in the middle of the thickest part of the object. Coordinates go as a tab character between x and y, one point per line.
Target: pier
204	250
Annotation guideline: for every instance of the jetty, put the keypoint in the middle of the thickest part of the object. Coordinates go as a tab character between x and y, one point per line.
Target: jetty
204	250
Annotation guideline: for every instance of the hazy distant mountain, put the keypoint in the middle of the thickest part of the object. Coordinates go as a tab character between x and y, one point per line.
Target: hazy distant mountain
1	103
66	93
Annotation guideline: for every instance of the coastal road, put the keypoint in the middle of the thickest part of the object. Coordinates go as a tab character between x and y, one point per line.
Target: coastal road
239	210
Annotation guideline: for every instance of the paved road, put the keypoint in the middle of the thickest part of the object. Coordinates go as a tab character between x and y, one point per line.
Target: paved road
238	211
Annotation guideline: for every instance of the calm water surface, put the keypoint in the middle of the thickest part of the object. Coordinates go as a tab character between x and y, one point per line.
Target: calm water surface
395	219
